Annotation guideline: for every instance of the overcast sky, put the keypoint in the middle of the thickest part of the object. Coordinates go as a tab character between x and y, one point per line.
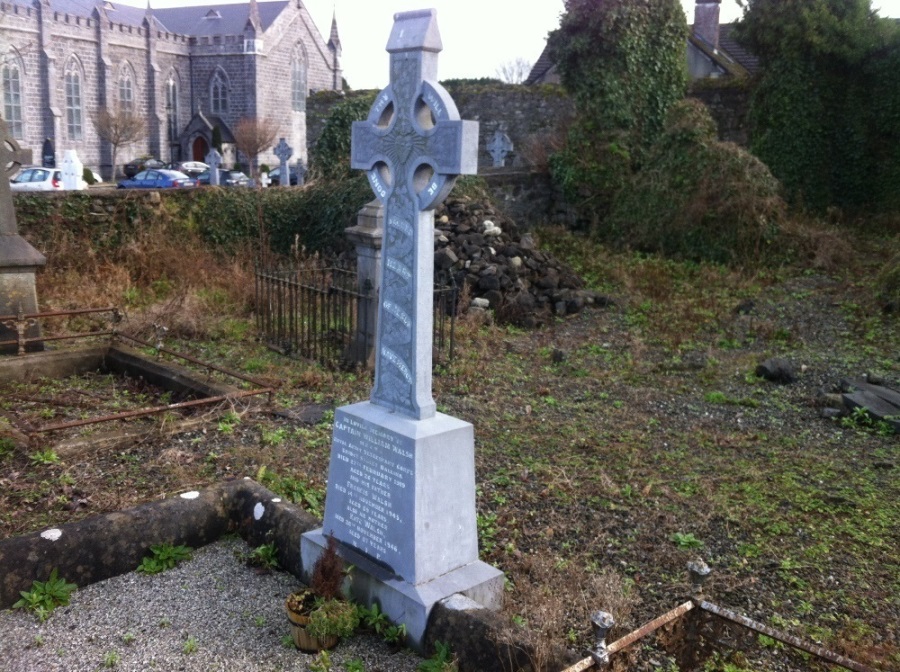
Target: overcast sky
479	36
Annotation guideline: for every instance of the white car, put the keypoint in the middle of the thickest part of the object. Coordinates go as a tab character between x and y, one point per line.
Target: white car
40	179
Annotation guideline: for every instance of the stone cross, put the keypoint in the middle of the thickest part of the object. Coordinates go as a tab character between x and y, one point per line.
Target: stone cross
214	160
264	180
499	146
72	170
11	155
18	259
413	145
284	152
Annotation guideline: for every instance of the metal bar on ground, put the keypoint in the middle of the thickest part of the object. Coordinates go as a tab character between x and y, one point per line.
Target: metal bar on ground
632	637
797	643
59	313
150	411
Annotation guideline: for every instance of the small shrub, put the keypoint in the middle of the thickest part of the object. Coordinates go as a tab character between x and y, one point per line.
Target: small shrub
45	596
697	198
328	572
163	557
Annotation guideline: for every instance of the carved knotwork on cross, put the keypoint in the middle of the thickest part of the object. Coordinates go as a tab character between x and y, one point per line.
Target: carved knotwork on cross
412	146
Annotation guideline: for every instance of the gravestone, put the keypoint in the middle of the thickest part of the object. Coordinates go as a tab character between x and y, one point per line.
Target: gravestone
72	170
214	160
19	261
499	146
401	483
284	152
264	180
301	172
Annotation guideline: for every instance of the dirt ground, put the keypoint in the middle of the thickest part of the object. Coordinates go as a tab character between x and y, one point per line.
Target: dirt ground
612	447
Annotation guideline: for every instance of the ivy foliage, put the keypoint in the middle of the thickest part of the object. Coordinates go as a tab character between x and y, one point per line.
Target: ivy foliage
330	158
623	63
697	198
825	113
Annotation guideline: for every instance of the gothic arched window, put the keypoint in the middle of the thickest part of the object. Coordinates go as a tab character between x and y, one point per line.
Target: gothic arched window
12	99
218	94
126	91
74	103
298	81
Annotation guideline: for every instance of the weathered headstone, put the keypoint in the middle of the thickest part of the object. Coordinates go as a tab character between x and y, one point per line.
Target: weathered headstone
284	152
214	160
401	483
72	170
499	146
19	261
301	172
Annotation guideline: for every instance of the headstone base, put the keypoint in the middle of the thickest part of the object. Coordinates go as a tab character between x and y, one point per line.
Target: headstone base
400	601
18	292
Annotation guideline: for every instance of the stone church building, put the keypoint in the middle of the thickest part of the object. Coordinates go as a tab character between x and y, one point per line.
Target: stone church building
190	69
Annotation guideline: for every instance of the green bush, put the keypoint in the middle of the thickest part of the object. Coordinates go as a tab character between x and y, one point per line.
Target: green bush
697	198
88	175
330	158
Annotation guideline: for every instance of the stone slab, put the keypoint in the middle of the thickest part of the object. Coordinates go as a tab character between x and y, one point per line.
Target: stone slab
371	583
402	491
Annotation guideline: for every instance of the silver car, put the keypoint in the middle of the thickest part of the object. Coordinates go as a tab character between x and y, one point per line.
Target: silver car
37	179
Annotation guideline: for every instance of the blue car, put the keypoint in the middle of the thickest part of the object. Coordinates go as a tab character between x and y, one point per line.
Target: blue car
158	179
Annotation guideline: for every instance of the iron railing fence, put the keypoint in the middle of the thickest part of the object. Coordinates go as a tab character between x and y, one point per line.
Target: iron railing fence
320	312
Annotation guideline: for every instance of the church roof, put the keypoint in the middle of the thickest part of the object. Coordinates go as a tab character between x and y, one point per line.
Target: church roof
195	21
205	20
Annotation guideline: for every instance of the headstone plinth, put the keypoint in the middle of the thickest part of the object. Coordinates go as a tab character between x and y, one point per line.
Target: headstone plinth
401	484
19	261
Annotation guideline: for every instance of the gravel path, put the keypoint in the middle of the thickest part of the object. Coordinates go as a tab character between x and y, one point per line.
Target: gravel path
212	613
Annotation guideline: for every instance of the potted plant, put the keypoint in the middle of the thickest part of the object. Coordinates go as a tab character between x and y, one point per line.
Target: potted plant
320	615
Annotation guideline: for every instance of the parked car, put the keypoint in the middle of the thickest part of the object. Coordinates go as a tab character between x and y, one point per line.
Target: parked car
275	176
159	179
227	178
40	179
189	168
132	168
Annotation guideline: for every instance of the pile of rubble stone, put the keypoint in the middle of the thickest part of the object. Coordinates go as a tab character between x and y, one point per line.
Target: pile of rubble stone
498	268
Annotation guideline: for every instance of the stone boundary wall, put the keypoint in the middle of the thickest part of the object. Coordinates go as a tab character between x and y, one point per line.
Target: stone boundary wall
535	119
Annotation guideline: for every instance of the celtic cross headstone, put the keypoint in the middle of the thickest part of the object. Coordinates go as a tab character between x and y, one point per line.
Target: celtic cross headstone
284	152
499	146
214	160
401	481
18	259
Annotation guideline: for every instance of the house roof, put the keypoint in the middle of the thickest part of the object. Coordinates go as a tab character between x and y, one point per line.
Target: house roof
730	53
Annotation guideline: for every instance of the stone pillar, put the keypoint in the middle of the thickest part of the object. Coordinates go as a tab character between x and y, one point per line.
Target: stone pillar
367	236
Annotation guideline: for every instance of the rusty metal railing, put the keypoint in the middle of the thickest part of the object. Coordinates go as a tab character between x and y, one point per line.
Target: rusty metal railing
21	322
600	657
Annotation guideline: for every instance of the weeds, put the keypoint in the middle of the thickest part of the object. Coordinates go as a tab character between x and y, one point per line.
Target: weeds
162	557
45	596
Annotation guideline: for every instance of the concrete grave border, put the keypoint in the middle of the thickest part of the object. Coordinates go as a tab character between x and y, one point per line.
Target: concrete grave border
111	544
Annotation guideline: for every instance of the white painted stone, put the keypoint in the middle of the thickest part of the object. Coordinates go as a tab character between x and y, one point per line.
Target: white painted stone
193	494
52	534
258	511
276	500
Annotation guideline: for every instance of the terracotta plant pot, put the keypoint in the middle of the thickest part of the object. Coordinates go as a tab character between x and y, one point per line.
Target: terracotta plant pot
303	640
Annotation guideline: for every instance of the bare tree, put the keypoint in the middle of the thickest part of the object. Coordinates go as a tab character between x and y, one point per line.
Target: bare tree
252	136
118	127
514	72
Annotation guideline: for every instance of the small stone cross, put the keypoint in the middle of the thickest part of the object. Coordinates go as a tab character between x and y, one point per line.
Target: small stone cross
11	157
284	152
264	180
214	160
413	146
499	146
